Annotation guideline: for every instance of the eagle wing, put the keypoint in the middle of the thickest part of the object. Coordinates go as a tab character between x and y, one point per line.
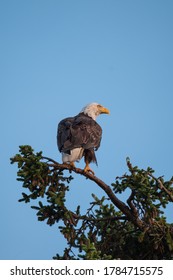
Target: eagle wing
63	133
80	131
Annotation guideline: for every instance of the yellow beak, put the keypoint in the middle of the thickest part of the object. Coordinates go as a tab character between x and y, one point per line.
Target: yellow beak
103	110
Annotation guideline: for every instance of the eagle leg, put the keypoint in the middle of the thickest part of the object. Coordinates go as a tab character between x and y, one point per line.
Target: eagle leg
88	169
72	164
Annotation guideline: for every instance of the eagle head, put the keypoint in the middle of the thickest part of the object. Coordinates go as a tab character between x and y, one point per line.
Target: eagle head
94	109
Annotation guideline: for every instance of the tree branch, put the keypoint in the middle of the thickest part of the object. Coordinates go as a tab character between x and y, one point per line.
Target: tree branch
131	205
118	203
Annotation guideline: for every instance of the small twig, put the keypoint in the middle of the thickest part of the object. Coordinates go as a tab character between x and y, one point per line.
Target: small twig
84	217
162	187
50	159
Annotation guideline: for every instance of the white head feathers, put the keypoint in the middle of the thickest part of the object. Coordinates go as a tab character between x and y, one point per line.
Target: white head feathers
94	109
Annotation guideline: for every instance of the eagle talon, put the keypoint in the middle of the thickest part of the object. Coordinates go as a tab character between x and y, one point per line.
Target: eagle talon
72	164
88	169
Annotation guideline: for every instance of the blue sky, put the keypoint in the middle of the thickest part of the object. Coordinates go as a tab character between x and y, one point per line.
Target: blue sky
57	56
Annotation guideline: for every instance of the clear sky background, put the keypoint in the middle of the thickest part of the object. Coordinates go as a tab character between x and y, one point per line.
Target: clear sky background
57	56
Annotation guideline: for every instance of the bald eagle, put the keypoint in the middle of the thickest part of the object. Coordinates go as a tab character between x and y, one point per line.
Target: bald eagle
81	135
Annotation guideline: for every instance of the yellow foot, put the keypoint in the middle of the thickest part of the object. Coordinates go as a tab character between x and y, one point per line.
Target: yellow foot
88	169
72	164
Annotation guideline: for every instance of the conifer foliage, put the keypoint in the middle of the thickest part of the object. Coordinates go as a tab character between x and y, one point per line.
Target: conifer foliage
110	228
